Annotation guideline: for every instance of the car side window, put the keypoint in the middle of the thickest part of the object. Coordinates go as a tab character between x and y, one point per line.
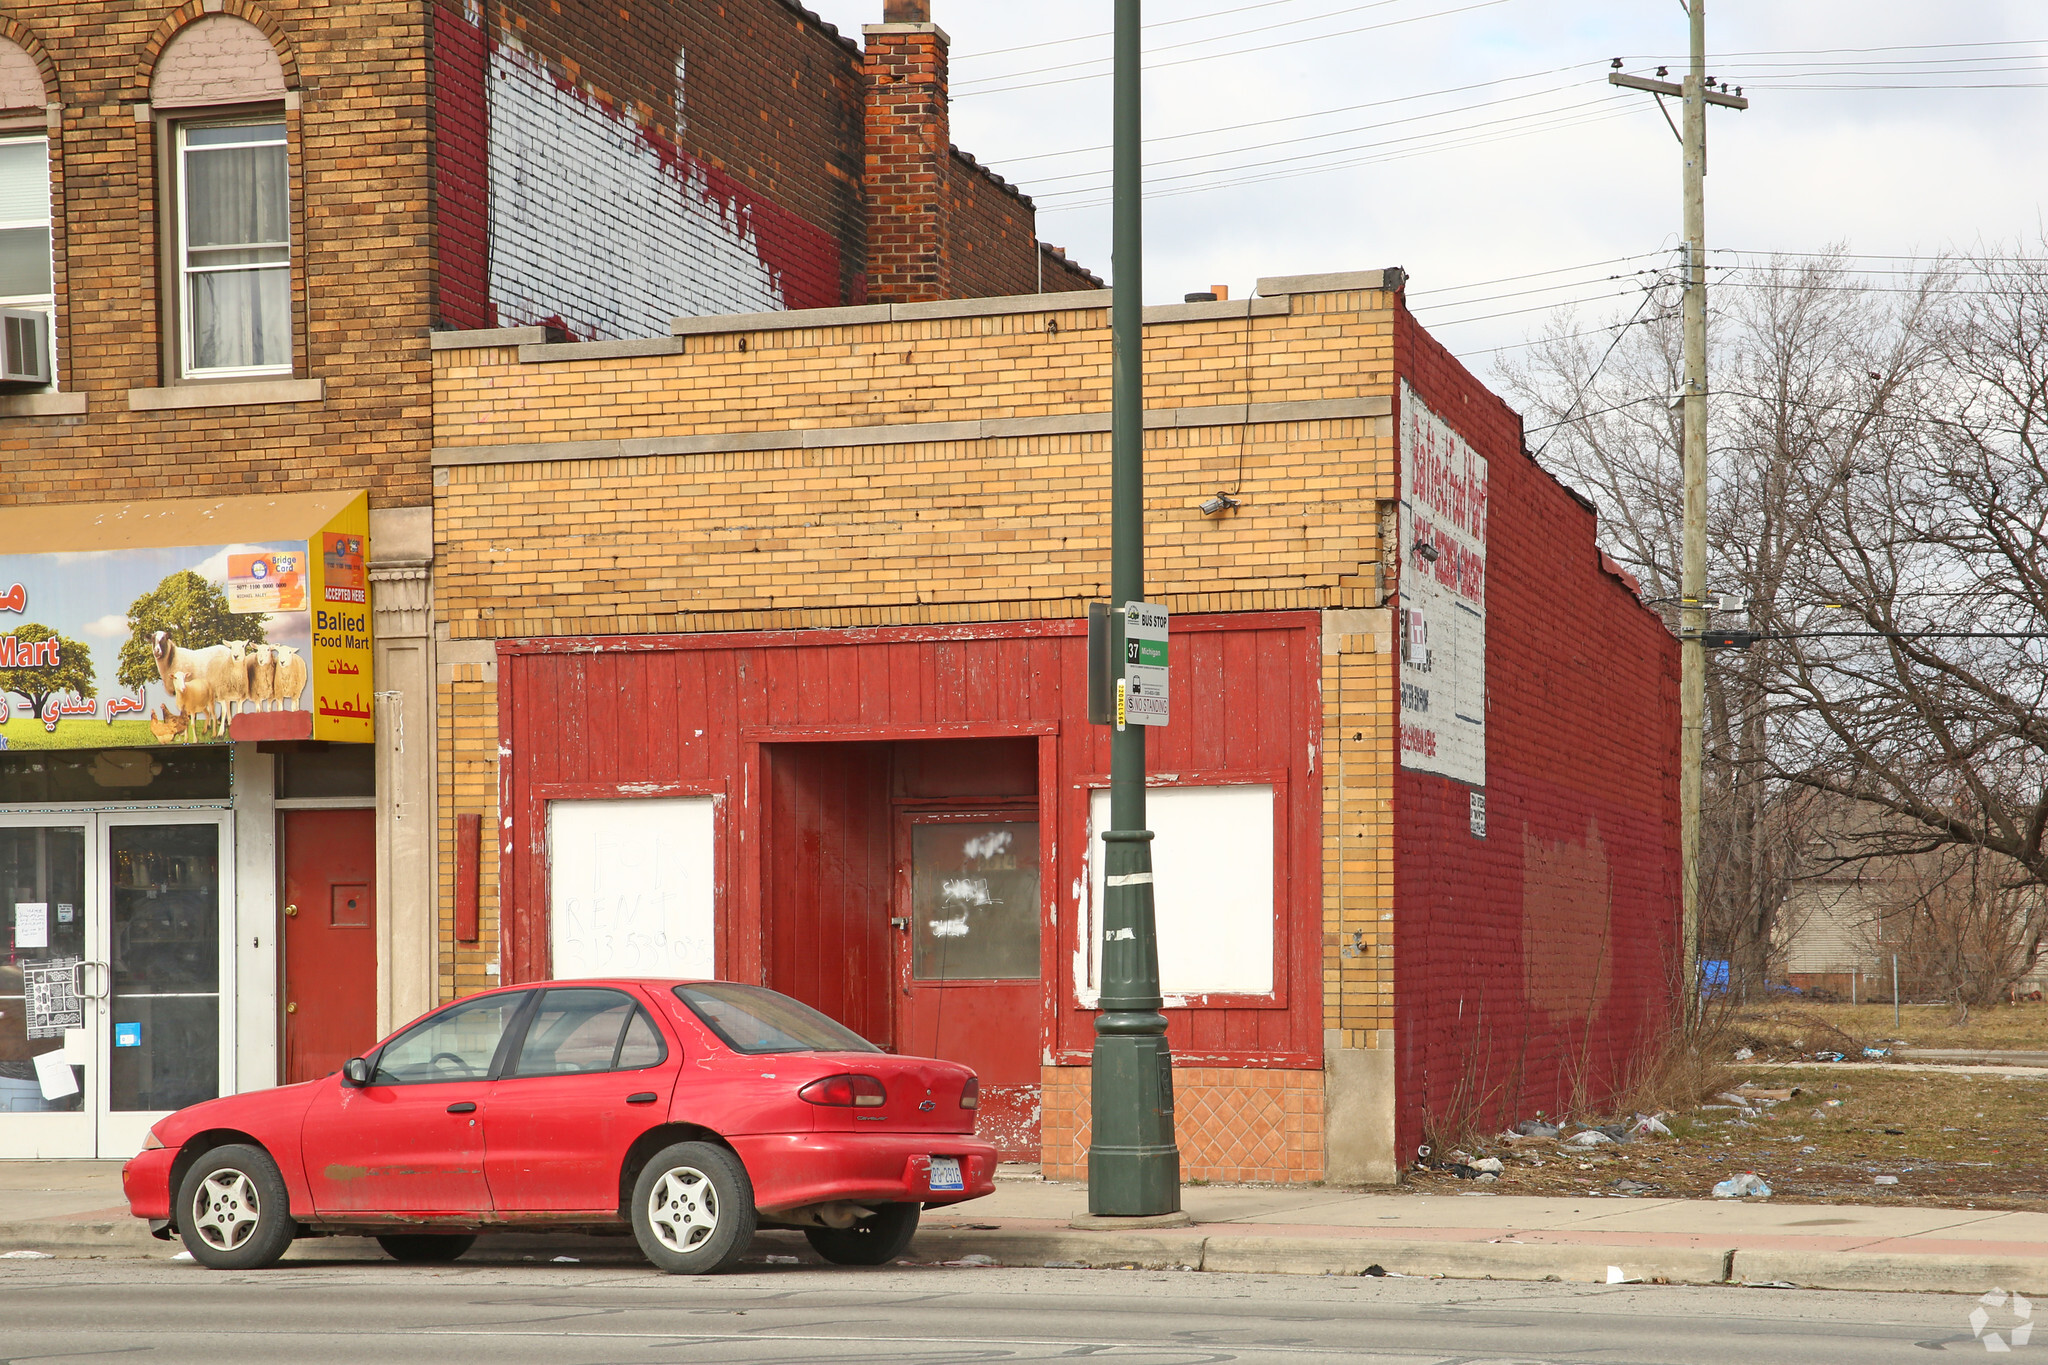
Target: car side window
583	1030
455	1045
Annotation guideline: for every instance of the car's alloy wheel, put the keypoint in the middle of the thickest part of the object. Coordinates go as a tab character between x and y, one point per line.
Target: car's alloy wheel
233	1212
693	1209
874	1240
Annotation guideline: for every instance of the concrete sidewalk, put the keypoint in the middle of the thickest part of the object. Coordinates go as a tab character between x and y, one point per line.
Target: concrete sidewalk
74	1208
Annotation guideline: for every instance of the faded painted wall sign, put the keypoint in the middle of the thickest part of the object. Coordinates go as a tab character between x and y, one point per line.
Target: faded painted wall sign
1443	598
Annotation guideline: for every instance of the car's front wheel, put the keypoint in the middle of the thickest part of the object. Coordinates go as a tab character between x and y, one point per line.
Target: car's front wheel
425	1247
875	1240
233	1212
693	1209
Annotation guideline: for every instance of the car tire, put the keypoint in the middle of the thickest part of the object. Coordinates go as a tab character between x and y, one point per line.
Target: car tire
875	1240
425	1248
233	1210
693	1209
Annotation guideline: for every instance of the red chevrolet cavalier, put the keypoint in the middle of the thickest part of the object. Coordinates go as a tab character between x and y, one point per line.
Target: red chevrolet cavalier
692	1111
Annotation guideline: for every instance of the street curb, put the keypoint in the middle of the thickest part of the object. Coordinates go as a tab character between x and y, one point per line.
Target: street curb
1928	1274
1250	1254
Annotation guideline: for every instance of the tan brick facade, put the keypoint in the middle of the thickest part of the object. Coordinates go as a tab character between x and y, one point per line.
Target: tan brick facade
923	467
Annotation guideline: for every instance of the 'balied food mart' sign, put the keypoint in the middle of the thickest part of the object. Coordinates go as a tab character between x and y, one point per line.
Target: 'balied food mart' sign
185	621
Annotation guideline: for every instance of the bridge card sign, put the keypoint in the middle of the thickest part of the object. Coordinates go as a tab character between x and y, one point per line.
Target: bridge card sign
148	644
1443	598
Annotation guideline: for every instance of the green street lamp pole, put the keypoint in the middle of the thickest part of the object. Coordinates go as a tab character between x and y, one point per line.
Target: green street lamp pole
1133	1164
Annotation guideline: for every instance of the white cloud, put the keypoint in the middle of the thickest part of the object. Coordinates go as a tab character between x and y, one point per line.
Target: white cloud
112	626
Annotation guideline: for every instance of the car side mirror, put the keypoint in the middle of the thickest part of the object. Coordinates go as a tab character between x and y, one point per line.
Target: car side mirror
355	1072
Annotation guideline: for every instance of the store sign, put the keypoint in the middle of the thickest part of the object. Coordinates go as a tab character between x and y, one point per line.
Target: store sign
1443	599
197	644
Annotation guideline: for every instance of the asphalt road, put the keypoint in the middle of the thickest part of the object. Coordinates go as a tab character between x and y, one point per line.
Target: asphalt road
584	1313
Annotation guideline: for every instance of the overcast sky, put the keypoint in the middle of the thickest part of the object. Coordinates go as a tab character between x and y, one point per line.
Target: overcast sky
1490	146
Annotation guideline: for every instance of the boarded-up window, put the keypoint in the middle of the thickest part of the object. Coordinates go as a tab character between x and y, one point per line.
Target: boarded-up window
21	84
218	60
1212	885
631	887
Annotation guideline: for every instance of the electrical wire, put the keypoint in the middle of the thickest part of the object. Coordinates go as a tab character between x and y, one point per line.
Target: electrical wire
1458	142
1622	331
959	94
1320	113
1094	37
1191	42
1331	151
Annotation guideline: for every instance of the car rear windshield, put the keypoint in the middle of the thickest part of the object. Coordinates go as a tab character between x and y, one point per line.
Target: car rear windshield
754	1019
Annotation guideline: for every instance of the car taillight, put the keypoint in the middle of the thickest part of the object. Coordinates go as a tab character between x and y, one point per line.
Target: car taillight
970	1093
846	1092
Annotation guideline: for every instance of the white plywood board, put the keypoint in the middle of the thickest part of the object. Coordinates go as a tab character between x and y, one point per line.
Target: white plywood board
1212	890
632	887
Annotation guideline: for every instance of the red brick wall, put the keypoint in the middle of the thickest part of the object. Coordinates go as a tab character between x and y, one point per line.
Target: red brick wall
1532	967
462	220
909	164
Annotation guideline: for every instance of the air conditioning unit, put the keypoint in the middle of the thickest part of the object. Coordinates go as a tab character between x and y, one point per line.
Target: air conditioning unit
24	347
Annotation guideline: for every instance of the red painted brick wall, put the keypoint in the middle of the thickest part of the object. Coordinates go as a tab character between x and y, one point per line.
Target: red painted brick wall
1533	967
462	220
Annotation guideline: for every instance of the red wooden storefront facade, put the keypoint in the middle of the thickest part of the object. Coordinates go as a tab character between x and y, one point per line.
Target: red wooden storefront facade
825	751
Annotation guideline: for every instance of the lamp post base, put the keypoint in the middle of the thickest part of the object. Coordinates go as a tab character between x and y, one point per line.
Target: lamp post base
1133	1163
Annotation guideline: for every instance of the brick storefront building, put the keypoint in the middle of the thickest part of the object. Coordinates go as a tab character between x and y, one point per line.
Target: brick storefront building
765	657
230	229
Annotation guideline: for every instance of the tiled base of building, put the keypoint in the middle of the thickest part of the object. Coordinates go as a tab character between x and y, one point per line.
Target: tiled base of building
1231	1124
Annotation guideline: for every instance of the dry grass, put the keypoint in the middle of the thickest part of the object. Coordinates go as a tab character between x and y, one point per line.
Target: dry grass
1951	1138
1788	1029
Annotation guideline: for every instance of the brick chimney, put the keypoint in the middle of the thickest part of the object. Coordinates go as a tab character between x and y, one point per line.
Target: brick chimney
909	152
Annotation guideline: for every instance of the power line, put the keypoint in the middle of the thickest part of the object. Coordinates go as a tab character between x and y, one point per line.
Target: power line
1191	42
1095	37
1451	140
1235	52
1321	113
1317	137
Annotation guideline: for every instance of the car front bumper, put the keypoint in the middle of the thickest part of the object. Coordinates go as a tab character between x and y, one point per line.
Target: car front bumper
792	1170
146	1181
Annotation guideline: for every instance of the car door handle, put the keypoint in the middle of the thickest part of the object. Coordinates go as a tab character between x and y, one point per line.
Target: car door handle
644	1097
462	1107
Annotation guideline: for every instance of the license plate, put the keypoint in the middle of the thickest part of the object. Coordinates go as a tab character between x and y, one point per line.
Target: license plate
946	1173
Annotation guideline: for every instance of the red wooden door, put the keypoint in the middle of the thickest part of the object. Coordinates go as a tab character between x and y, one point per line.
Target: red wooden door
968	941
330	939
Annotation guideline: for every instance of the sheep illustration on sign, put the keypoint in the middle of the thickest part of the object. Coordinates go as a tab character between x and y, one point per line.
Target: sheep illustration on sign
188	644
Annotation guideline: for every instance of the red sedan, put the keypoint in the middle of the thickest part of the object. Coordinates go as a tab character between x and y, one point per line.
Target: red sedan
693	1112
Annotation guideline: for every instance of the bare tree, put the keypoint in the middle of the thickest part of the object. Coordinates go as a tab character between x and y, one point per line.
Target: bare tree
1912	674
1879	495
1963	923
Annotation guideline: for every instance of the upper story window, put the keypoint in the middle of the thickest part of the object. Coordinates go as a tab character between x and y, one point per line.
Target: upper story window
234	248
220	98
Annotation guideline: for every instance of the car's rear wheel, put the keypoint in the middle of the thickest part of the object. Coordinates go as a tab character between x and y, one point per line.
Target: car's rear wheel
233	1212
693	1209
426	1247
875	1240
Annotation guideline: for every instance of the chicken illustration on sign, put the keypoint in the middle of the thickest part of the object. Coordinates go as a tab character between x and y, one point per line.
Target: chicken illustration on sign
189	644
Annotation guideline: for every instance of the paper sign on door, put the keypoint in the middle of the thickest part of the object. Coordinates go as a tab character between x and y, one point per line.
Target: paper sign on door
31	924
54	1075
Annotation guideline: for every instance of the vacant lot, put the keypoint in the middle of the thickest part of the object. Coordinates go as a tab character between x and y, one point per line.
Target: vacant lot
1948	1137
1791	1028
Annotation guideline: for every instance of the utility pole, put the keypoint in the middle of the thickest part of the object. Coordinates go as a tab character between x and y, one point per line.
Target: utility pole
1133	1164
1692	612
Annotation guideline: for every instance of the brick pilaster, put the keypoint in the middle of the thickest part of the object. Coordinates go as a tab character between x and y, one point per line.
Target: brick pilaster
909	151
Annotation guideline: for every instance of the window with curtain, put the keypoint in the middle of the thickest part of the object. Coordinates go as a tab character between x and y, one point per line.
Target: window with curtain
234	210
25	271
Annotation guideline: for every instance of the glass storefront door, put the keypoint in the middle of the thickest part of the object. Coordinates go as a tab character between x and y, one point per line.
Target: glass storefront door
114	990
